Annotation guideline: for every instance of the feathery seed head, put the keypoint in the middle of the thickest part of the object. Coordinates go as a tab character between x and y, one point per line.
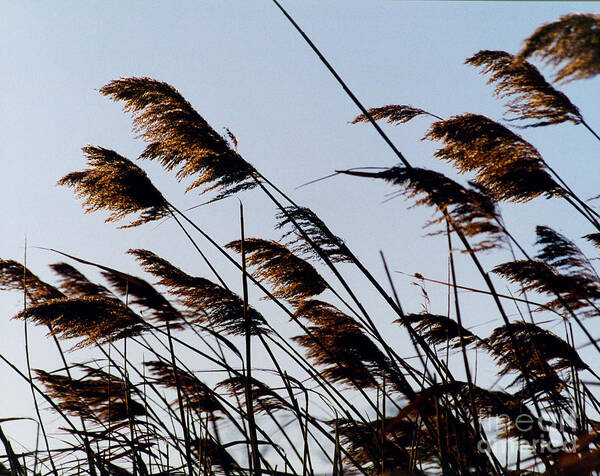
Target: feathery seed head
292	277
394	114
509	167
95	319
212	305
533	98
572	41
116	184
179	138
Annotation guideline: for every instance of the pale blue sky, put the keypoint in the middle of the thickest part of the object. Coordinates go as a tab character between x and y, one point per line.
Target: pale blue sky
242	66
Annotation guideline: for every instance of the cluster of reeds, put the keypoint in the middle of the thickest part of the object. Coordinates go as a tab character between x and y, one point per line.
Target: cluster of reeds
340	397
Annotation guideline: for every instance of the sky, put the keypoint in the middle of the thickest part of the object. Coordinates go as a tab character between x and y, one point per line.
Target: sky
242	66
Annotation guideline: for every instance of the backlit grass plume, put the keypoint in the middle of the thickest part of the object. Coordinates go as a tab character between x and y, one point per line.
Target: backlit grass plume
471	209
396	451
560	252
532	97
179	138
98	396
74	284
331	245
538	348
571	43
15	276
291	276
339	345
210	304
265	399
393	114
116	184
571	292
593	238
509	167
195	394
438	329
141	293
214	458
561	271
95	319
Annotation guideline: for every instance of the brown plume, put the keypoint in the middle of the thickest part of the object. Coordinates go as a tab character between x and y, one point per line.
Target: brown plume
74	284
509	167
561	270
533	98
331	245
116	184
438	329
572	41
264	398
393	114
14	276
98	396
364	442
292	277
212	305
179	137
95	319
195	394
339	344
141	293
471	209
538	349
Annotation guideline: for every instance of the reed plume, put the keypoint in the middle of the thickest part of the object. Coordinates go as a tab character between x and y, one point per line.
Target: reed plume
560	270
292	277
95	319
331	245
265	399
471	209
395	451
97	396
532	97
116	184
179	138
214	458
572	41
393	114
538	348
560	252
74	284
572	292
210	304
195	393
509	167
509	408
15	276
593	238
438	329
337	343
141	293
